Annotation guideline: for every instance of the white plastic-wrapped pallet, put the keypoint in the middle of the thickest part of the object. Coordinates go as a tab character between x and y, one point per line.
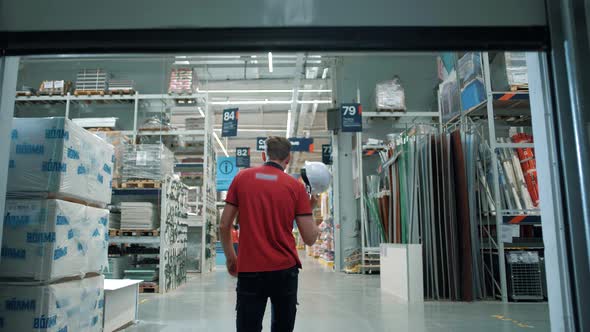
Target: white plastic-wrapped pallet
46	240
390	95
75	305
53	155
146	161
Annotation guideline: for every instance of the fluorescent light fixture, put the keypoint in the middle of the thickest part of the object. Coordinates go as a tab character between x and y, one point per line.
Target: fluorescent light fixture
315	90
257	130
325	73
201	111
249	91
265	91
314	101
254	56
220	144
270	62
288	123
268	102
250	102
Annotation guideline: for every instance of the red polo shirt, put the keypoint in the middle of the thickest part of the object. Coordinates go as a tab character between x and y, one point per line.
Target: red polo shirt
268	201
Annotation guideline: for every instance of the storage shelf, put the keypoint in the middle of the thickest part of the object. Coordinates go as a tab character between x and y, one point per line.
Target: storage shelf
169	132
505	104
113	97
135	239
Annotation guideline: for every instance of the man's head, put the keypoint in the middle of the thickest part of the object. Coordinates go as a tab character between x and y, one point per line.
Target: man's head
278	149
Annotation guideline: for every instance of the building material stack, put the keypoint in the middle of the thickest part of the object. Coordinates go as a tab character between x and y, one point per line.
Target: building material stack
55	235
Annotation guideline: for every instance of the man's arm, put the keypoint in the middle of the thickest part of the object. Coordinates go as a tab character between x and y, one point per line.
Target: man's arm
227	219
307	227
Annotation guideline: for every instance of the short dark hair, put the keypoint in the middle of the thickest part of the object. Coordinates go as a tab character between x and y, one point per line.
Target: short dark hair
277	148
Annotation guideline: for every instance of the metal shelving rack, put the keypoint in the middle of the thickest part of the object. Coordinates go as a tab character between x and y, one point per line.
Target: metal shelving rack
209	217
509	104
369	255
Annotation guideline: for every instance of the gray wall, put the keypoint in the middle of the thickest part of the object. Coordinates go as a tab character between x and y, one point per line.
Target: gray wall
110	14
417	72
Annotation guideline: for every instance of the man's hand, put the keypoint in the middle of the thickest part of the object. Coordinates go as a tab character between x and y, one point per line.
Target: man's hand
313	200
232	265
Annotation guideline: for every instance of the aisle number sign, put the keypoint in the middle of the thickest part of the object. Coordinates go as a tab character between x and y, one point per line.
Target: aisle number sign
226	171
243	157
327	154
301	144
351	116
260	143
229	126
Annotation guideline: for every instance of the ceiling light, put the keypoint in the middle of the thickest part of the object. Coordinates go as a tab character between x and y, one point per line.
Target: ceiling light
314	101
251	102
325	73
315	90
257	130
288	123
270	62
220	144
248	91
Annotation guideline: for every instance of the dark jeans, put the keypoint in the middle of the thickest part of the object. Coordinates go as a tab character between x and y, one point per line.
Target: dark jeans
254	289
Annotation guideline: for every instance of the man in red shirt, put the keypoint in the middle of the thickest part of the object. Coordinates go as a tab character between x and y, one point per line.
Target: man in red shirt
267	201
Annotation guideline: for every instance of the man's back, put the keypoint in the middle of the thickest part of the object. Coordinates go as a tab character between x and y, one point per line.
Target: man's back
268	201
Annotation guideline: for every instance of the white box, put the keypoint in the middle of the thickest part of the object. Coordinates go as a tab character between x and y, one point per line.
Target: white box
64	307
47	240
120	303
53	155
401	271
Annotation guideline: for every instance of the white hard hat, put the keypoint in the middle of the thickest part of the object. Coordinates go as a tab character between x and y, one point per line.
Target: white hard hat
316	176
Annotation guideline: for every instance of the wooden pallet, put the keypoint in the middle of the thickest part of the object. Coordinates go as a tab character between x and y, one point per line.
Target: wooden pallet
121	92
99	129
89	93
141	184
134	232
149	287
51	94
519	87
155	129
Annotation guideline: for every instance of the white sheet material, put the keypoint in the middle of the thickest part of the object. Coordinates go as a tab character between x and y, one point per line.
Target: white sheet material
70	306
96	122
51	239
50	155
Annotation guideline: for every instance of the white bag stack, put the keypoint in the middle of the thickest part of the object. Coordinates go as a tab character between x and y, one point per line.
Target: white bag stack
390	95
53	155
46	240
69	306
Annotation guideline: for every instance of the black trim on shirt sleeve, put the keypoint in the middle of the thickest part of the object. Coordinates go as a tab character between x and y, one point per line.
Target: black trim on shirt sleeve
230	203
304	214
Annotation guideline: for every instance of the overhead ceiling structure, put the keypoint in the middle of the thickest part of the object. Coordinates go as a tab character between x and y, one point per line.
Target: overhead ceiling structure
277	95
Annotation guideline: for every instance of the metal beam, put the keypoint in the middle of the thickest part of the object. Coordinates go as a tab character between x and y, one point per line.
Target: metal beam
8	78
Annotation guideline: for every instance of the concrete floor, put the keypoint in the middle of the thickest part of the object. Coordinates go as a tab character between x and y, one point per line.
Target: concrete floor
331	302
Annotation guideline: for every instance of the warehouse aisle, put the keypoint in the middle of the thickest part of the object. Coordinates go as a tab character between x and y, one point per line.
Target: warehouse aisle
331	302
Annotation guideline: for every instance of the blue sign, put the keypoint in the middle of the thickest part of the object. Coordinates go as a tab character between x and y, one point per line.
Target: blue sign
301	144
260	143
226	171
351	116
243	157
229	126
327	154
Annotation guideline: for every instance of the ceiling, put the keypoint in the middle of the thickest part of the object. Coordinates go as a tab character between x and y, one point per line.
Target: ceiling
291	100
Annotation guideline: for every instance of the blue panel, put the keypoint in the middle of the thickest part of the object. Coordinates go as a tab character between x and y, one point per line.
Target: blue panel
472	95
226	171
